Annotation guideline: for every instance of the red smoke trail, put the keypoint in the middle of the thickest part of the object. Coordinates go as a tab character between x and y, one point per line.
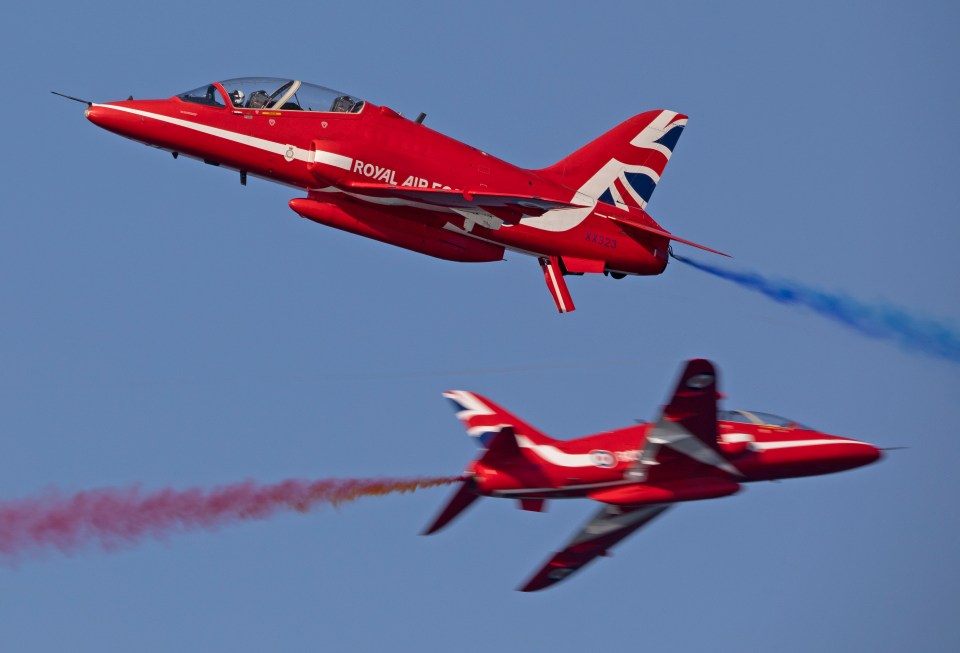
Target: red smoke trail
114	517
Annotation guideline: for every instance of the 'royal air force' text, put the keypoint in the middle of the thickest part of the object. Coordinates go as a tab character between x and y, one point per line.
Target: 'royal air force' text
389	176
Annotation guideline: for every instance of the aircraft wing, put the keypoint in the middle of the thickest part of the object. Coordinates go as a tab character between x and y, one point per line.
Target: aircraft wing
486	208
610	525
688	423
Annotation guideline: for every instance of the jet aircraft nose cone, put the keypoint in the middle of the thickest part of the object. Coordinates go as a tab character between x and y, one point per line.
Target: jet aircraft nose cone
837	454
96	114
113	116
117	117
871	454
862	453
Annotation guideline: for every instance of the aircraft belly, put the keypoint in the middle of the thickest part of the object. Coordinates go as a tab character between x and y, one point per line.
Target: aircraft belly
418	236
585	246
565	492
586	243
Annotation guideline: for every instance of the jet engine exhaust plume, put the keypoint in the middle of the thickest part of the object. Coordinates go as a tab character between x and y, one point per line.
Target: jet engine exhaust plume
114	517
911	332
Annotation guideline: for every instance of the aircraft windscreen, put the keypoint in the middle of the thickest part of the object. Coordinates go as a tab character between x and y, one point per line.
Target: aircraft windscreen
207	94
758	418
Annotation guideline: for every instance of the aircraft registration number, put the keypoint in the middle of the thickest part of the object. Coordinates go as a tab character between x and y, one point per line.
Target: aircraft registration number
602	240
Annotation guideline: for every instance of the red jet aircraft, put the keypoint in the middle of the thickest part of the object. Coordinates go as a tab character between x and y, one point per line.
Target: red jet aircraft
691	452
369	171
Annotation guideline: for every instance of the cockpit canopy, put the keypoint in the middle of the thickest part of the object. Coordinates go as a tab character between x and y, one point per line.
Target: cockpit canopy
273	93
759	419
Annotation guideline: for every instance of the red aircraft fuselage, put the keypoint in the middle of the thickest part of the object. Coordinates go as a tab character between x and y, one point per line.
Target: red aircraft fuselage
597	466
692	452
367	170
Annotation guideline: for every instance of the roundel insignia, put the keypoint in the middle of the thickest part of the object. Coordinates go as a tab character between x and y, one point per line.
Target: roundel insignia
603	459
289	154
700	381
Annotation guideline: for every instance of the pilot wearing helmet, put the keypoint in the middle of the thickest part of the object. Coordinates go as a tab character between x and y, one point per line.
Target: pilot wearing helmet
236	97
343	104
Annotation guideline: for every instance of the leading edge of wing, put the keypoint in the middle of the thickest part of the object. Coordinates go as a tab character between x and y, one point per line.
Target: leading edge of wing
463	199
693	403
607	527
688	422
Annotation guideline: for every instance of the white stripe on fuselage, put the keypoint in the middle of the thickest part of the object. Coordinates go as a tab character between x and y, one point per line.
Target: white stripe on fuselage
786	444
555	456
299	153
552	220
332	159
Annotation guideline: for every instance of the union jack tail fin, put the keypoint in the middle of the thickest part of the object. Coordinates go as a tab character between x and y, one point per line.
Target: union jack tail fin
484	419
623	166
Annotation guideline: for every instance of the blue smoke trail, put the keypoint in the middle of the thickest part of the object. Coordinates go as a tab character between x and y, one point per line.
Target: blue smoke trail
913	333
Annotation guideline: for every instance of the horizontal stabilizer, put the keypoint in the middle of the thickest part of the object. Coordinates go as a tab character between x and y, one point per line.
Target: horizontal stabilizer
625	219
503	446
460	501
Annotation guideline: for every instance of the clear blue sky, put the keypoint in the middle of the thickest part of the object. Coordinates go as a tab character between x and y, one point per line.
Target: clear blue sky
162	325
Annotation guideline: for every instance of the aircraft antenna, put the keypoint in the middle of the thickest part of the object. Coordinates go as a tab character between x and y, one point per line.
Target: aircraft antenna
75	99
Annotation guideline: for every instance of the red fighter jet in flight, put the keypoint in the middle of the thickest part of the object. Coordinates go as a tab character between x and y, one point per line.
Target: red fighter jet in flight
369	171
691	452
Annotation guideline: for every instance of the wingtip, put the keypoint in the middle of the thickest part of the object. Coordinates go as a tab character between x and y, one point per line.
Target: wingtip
536	584
531	585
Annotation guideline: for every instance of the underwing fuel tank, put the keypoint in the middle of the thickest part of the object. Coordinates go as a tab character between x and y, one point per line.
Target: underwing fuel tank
389	228
667	492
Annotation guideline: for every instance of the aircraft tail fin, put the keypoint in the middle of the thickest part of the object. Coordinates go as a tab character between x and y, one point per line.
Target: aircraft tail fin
622	167
484	419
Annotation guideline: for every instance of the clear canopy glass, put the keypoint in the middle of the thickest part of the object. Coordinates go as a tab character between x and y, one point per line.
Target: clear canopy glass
758	418
207	94
274	93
